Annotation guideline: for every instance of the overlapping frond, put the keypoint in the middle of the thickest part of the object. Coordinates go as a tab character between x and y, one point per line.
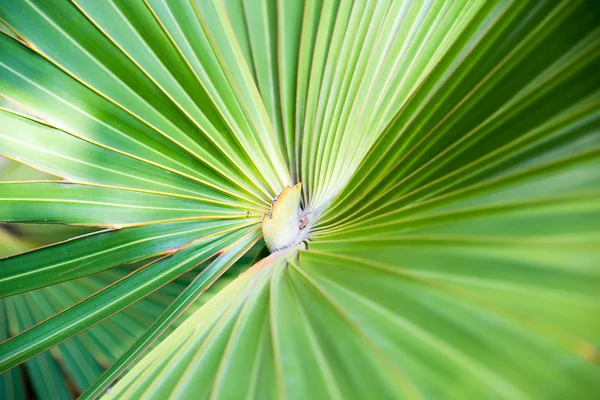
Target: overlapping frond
72	366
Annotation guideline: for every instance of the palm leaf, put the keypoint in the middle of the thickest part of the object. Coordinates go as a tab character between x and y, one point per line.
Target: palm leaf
72	366
445	242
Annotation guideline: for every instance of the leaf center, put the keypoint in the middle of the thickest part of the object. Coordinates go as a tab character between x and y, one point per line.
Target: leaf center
285	225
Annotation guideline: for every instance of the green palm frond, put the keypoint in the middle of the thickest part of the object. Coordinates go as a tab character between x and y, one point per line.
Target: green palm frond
70	368
73	366
426	175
